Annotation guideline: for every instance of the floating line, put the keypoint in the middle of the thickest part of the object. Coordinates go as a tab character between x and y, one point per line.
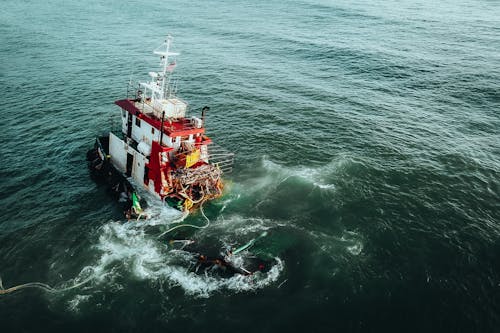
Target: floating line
188	225
40	285
249	244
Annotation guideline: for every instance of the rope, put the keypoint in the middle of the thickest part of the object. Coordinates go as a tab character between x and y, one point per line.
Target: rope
188	225
50	289
40	285
249	244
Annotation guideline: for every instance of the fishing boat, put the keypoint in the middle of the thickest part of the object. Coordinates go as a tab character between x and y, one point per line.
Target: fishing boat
158	147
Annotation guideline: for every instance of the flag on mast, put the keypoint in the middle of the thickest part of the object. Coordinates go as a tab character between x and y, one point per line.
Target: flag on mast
171	66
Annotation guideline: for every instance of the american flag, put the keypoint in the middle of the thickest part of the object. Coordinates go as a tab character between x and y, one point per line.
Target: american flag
171	66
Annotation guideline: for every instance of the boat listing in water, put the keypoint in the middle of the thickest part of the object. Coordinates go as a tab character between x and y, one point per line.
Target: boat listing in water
159	147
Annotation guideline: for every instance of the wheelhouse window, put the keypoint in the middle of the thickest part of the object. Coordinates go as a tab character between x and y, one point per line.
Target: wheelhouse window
137	122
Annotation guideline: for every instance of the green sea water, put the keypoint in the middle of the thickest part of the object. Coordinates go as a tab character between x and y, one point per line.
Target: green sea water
367	142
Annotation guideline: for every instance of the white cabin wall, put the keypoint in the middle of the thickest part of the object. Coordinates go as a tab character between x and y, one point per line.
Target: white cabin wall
166	140
144	133
117	151
123	115
138	133
138	167
176	142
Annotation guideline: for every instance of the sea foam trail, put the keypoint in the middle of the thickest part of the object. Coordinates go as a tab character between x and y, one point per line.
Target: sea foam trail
269	182
125	251
323	180
320	176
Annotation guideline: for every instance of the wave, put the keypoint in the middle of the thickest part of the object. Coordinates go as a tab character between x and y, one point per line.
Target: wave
272	173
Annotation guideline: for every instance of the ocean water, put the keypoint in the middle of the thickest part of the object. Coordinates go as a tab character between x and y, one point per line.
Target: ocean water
367	141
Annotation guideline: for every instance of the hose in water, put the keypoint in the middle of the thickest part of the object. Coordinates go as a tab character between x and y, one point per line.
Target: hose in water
50	289
249	244
40	285
188	225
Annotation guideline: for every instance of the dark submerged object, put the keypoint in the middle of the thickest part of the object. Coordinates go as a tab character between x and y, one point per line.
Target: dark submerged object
211	261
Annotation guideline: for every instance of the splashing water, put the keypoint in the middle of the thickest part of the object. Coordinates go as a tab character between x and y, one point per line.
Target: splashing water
126	248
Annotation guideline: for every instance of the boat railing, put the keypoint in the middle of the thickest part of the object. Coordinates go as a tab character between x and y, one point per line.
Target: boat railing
221	157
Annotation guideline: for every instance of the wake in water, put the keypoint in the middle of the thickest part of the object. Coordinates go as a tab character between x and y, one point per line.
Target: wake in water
279	196
126	249
140	250
130	250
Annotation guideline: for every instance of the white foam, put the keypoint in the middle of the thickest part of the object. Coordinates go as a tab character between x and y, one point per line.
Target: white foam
126	247
227	200
74	303
205	285
158	212
355	249
236	224
325	186
318	176
350	241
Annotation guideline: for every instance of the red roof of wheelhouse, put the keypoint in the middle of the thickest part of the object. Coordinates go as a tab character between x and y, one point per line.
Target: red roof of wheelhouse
180	127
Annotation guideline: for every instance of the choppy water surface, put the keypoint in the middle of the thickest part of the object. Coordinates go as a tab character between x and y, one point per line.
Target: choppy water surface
367	136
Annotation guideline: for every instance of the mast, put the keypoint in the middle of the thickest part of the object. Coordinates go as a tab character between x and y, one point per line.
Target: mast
161	128
164	52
